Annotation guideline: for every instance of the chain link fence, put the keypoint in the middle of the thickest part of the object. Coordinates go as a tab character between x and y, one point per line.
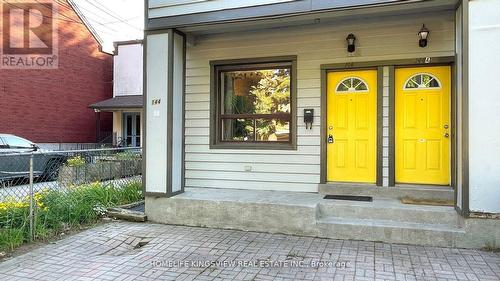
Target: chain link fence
44	193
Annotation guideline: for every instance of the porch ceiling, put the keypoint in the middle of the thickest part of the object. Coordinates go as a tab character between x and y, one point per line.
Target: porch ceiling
223	25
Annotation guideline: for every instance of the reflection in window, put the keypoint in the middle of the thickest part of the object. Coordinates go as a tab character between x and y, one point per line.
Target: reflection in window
422	80
255	105
17	142
352	84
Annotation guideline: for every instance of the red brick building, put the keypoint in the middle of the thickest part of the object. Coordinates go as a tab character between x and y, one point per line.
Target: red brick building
51	105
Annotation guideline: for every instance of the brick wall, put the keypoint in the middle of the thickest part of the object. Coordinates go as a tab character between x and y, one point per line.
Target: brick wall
52	105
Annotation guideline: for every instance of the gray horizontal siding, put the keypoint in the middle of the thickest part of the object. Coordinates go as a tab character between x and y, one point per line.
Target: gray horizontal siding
293	170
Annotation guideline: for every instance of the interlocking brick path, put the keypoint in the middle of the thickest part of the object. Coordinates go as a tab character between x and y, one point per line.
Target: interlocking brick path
146	251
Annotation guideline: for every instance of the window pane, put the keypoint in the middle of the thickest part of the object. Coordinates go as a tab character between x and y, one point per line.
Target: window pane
263	91
137	125
272	130
237	130
433	83
411	84
129	125
352	84
16	142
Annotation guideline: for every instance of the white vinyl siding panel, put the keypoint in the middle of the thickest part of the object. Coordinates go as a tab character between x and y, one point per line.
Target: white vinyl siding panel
167	8
292	170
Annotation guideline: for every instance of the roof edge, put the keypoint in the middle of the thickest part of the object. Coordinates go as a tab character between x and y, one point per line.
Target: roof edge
259	12
126	42
87	24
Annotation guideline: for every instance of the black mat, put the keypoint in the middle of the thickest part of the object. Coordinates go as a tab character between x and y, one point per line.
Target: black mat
349	198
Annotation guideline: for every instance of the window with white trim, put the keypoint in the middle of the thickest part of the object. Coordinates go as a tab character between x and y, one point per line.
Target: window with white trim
352	84
422	81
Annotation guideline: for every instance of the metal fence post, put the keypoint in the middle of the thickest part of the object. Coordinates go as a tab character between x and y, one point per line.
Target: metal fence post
32	217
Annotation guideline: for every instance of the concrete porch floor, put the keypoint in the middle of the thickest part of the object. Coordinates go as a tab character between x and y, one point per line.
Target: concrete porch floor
308	214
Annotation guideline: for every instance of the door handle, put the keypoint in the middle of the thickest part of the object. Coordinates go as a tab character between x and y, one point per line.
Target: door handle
330	138
446	135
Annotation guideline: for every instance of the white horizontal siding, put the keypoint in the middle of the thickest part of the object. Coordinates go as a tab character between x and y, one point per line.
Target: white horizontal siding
257	185
293	170
167	8
255	167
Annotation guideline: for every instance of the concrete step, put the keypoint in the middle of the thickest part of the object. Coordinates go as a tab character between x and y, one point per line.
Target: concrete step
395	192
390	231
390	209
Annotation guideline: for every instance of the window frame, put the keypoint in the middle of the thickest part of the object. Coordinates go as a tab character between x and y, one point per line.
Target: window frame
354	91
219	66
422	88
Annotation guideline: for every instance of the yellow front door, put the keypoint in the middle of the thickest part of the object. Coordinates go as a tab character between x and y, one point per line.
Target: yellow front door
352	126
423	131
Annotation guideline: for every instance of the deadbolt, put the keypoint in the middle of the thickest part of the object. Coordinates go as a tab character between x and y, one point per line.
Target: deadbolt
446	126
330	127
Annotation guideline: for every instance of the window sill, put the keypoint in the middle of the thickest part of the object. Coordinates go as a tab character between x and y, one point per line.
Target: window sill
254	146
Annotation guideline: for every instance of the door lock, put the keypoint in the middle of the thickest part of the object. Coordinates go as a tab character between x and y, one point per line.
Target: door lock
330	139
446	126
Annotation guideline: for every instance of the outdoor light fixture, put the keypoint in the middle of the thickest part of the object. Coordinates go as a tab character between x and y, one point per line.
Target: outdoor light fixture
423	34
350	43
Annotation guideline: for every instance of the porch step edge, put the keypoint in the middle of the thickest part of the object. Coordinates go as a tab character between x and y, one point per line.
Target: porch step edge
394	192
390	231
391	223
390	209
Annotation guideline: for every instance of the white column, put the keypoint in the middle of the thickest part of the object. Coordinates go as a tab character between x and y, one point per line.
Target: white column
164	117
484	105
156	106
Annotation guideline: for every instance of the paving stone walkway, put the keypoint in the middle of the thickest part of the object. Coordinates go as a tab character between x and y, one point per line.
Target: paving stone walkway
145	251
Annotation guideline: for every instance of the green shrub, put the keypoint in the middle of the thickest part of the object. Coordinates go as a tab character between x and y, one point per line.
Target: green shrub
11	238
128	155
60	210
76	161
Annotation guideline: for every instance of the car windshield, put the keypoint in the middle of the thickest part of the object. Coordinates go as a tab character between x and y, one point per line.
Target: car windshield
17	142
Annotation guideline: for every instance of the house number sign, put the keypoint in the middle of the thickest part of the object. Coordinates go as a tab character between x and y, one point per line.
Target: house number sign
424	60
155	101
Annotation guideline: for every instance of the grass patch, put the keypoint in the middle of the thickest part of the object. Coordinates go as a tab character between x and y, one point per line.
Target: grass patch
58	211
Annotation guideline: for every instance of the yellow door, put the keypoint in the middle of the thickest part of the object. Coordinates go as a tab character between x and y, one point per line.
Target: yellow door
352	126
423	125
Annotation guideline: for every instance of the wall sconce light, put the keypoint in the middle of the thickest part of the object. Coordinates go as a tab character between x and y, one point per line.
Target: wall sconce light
350	43
423	34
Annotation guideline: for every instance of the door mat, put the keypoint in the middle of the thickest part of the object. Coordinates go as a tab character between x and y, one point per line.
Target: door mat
431	202
349	198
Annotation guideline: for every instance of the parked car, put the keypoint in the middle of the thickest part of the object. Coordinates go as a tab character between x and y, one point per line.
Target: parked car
14	160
